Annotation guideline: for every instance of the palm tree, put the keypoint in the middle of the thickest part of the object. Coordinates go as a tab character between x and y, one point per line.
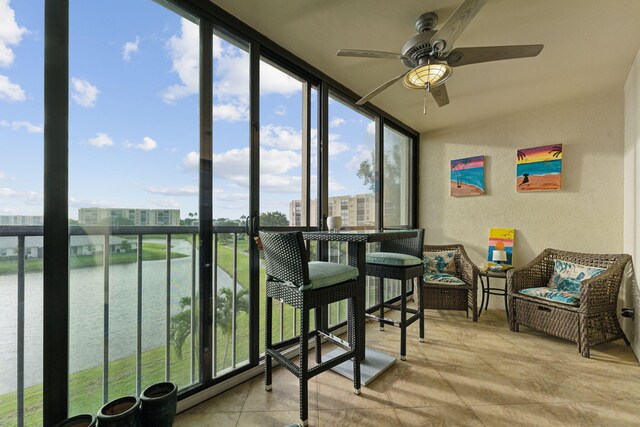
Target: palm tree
225	314
181	322
458	167
181	325
521	155
556	150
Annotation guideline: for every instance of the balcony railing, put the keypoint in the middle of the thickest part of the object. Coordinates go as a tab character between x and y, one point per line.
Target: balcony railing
231	323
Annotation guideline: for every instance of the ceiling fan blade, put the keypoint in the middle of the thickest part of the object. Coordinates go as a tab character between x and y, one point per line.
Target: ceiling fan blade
359	53
474	55
439	93
380	88
457	22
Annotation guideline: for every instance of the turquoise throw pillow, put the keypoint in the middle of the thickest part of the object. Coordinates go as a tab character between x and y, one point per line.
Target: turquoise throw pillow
567	276
440	262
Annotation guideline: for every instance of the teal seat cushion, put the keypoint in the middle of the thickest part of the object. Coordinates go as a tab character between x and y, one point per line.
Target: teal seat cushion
568	276
441	279
555	295
390	258
323	274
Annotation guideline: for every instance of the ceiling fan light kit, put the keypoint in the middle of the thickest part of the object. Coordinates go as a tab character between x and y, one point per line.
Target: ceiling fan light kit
426	76
430	58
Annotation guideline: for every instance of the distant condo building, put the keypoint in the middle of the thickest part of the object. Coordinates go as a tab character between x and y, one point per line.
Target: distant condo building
141	217
356	210
21	220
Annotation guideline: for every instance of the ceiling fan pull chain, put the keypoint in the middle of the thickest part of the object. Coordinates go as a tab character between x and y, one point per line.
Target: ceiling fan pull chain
424	99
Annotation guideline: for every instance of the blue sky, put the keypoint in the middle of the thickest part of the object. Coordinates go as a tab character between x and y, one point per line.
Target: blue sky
133	116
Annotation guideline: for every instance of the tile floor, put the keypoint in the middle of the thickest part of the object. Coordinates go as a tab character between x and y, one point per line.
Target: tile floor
465	373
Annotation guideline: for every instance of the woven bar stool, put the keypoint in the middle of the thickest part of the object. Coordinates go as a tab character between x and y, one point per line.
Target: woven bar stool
305	286
400	260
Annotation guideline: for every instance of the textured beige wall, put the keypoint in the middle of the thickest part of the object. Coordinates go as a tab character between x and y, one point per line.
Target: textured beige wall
585	216
630	294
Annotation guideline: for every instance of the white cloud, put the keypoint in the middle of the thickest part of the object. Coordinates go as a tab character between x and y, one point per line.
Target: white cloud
2	175
191	161
94	203
22	124
221	195
335	186
233	165
28	197
10	33
32	198
232	112
174	191
362	153
283	137
184	51
129	48
12	92
101	140
7	192
8	211
336	146
278	161
166	203
272	80
231	75
371	128
84	93
147	144
334	123
281	110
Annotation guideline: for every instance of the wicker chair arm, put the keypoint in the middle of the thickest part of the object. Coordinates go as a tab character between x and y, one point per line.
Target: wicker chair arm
467	270
600	293
532	275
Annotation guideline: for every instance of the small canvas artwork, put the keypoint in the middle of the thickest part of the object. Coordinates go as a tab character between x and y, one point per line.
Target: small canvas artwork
500	243
467	176
539	168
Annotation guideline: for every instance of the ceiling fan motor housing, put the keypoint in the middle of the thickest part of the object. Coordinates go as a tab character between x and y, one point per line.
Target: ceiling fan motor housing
419	45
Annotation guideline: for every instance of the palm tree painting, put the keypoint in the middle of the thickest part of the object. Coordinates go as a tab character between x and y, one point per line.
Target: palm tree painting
467	176
539	168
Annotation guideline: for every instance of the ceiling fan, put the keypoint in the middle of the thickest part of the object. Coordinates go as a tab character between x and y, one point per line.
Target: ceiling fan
430	57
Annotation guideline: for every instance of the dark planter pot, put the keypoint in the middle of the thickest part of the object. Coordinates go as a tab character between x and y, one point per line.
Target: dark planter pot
159	403
84	420
122	412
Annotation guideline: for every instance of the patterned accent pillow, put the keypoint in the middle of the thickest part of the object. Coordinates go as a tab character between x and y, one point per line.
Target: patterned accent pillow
440	262
441	279
568	276
555	295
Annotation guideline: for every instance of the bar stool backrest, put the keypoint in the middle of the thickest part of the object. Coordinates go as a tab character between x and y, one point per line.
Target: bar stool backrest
412	246
285	257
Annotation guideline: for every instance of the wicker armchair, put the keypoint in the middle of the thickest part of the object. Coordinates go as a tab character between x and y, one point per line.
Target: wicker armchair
590	323
454	297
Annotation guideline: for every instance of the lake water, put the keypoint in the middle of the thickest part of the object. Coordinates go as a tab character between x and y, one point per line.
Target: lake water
86	313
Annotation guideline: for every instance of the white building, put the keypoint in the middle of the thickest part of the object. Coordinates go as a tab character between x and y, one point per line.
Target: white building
21	220
78	245
123	216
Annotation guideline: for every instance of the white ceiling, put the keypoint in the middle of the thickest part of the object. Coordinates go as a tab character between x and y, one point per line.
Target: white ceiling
589	48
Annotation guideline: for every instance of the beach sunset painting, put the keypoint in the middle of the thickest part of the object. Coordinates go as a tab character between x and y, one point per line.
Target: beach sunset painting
467	176
539	168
